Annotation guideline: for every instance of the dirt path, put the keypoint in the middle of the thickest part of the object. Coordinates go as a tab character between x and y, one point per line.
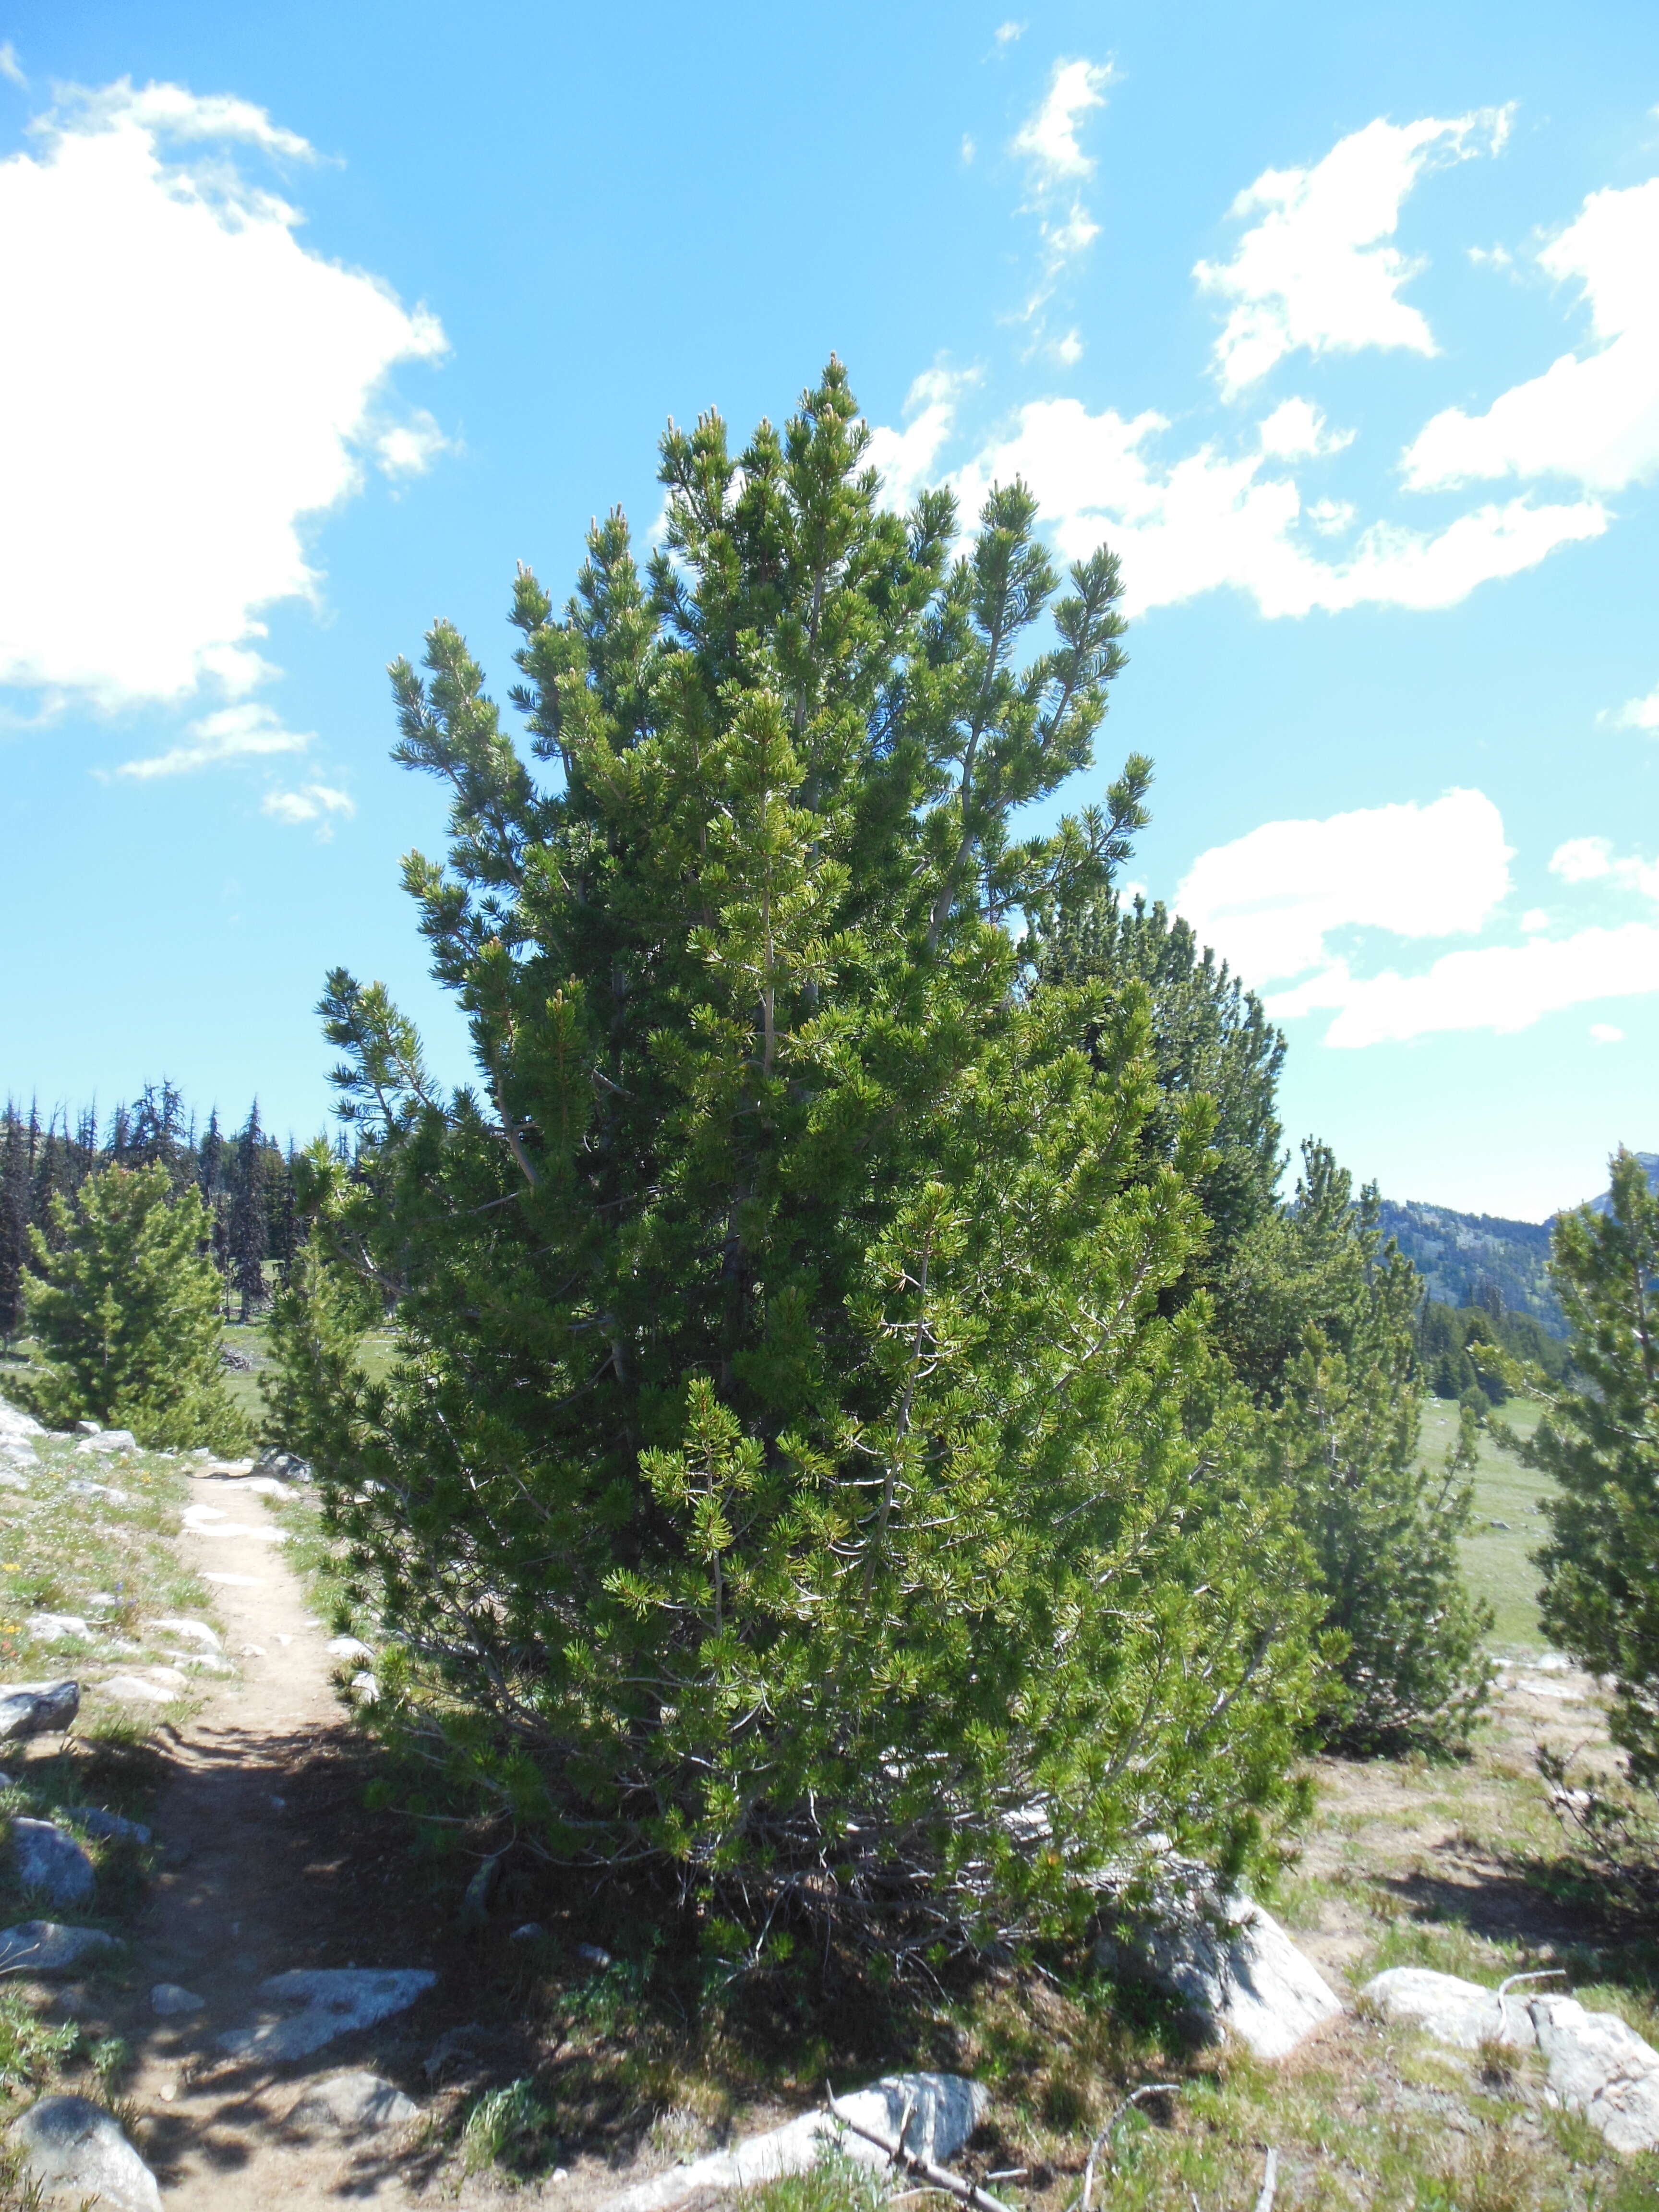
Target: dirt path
249	1887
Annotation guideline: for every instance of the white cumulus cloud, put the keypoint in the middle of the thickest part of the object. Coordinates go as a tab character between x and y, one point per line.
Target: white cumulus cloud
907	458
246	731
1640	714
1212	518
1316	269
312	802
1297	431
1282	904
1270	902
194	385
1592	416
1504	988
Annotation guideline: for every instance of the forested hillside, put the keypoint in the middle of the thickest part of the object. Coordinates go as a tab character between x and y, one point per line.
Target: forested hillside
1458	1254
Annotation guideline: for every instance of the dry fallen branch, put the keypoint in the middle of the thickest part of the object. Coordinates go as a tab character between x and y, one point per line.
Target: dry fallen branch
966	2192
1269	2182
1148	2089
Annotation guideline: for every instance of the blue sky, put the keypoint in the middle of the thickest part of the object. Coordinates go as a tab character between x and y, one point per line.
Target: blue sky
1341	325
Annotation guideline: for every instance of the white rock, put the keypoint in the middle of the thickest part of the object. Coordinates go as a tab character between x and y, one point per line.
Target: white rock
99	1490
1245	1976
109	1440
354	2104
236	1582
85	1429
366	1689
169	1999
134	1690
348	1647
262	1486
191	1632
253	1651
52	1627
332	2001
1601	2067
1460	2013
43	1947
945	2110
75	2149
9	1479
15	1425
208	1520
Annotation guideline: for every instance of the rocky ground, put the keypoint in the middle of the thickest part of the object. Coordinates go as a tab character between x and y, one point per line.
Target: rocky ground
560	2066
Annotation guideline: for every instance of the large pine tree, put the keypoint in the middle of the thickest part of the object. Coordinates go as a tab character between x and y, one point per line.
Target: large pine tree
790	1471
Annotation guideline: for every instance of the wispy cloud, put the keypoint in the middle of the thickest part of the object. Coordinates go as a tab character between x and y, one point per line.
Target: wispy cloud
1316	269
907	458
10	67
245	732
1057	168
1007	33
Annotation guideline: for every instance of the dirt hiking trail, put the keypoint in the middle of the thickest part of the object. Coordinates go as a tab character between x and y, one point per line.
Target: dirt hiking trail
250	1886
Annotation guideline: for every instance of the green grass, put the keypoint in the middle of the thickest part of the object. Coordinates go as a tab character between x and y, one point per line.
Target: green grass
1497	1561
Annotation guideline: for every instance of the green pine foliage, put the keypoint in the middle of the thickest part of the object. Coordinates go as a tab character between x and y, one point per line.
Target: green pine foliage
125	1310
1210	1036
319	1315
1464	1348
792	1477
1599	1443
1344	1430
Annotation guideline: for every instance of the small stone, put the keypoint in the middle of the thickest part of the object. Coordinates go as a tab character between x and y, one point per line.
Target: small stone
113	1827
29	1709
287	1467
44	1947
108	1440
189	1631
169	1999
253	1651
348	1647
236	1582
133	1690
366	1689
354	2104
278	1804
86	1428
49	1860
166	2093
592	1956
73	2148
531	1931
52	1627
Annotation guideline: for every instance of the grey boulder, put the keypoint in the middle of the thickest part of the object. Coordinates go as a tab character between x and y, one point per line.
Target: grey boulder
321	2004
42	1947
109	1440
1232	1966
287	1467
355	2104
49	1860
75	2149
36	1709
112	1827
1601	2067
1451	2010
